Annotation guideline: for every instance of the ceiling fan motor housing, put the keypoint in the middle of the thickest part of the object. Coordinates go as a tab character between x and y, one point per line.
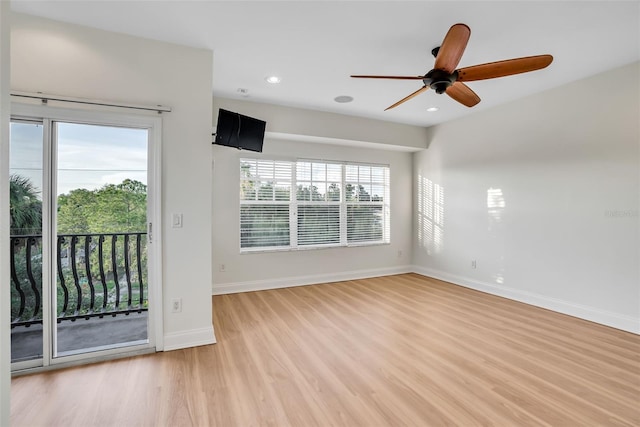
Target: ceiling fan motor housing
440	80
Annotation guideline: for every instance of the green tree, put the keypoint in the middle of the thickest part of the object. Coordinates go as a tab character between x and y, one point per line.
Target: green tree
25	207
309	193
333	192
247	187
25	217
363	195
349	193
75	211
121	208
114	208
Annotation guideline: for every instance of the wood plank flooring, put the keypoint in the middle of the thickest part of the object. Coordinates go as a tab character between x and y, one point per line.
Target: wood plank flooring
389	351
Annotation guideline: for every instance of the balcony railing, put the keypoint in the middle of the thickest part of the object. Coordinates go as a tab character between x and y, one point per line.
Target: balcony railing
97	275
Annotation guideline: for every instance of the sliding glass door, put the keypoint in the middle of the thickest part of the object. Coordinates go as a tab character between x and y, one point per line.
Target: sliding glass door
80	255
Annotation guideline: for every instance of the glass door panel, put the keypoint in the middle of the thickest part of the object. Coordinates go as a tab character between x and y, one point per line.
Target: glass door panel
25	193
79	282
101	286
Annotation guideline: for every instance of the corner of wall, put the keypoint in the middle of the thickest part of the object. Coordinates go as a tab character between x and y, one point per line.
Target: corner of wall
292	281
603	317
190	338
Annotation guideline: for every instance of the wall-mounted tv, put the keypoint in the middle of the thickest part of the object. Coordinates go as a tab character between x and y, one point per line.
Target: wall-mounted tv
239	131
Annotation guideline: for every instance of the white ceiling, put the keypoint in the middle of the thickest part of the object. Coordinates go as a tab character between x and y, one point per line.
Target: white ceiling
315	45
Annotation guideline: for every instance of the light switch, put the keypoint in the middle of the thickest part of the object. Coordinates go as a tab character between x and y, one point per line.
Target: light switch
176	220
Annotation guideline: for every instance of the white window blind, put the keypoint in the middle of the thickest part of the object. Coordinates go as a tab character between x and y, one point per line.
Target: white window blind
318	202
367	191
265	194
335	204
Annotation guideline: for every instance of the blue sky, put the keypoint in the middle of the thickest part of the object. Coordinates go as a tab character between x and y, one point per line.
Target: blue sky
89	156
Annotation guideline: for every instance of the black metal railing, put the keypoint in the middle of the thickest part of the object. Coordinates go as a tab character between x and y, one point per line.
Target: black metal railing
97	275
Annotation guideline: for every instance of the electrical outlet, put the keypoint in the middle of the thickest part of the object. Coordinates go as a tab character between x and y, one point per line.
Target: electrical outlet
176	305
223	268
473	263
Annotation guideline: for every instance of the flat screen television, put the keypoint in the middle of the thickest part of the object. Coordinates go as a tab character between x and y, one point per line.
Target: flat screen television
239	131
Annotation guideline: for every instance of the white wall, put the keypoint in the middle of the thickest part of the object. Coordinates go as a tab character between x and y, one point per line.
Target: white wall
5	309
278	269
544	194
319	126
71	60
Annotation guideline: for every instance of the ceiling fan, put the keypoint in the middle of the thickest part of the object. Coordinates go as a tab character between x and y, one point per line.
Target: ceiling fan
445	78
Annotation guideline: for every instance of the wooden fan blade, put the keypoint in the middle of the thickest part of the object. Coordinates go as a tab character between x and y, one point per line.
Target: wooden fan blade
463	94
507	67
416	93
452	48
389	77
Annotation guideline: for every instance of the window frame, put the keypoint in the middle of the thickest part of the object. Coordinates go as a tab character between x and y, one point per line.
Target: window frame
293	203
49	115
272	202
384	204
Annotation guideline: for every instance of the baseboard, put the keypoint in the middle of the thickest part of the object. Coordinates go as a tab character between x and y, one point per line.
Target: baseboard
614	320
288	282
603	317
190	338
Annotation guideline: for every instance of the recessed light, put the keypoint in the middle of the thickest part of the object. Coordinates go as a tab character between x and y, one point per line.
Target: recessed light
432	109
273	79
343	99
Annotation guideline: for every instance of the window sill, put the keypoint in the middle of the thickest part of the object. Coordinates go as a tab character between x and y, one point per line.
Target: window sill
309	248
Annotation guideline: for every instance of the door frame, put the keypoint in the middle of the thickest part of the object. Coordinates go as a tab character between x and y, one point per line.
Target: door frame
95	116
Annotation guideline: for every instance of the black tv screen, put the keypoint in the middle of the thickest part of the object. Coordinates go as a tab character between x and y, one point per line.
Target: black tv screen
239	131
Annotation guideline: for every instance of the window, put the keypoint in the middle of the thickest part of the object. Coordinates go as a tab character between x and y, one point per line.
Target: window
318	201
265	203
366	191
334	204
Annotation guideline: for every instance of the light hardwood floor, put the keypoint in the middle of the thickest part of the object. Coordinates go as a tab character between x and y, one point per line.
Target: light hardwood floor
398	350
